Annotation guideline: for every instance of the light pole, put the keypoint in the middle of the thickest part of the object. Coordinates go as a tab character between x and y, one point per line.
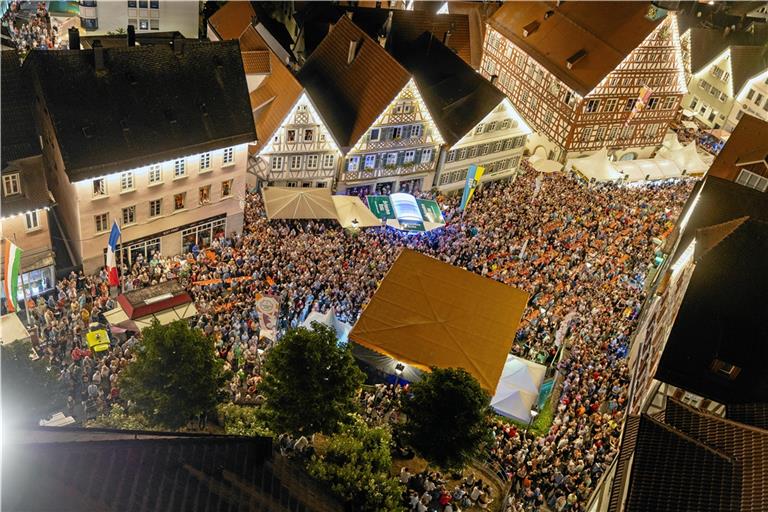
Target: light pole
399	367
534	413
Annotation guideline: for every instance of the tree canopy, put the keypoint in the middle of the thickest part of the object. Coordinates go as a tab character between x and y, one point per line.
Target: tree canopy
355	463
446	417
30	391
176	374
309	382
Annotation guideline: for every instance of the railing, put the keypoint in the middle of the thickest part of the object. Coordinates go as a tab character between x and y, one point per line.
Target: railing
367	174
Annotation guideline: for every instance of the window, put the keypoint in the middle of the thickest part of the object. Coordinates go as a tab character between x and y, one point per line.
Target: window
327	161
370	162
33	222
416	130
131	4
750	94
143	4
312	161
99	187
296	161
155	174
758	99
463	154
483	149
353	163
752	180
391	159
499	146
154	4
592	106
491	126
229	156
694	102
204	194
630	104
277	163
765	105
309	135
291	135
226	188
505	124
397	132
143	24
586	133
569	98
479	129
426	155
409	156
718	72
669	103
155	207
126	181
89	23
179	168
154	24
205	161
600	134
129	215
102	221
291	184
11	184
375	134
179	201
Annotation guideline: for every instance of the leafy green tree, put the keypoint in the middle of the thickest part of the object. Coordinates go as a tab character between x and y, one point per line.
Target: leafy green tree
176	374
446	417
309	382
118	417
30	390
242	420
355	464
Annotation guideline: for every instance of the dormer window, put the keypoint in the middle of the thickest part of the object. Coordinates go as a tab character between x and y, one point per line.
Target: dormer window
11	184
724	369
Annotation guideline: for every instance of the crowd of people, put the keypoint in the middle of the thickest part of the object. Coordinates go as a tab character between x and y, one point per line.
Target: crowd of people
581	252
30	27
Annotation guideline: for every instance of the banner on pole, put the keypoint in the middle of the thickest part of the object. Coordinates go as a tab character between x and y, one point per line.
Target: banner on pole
12	266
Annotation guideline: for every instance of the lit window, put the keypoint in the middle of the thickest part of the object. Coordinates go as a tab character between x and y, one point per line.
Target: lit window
101	222
370	161
229	156
33	222
129	215
610	104
426	155
11	184
155	207
179	168
416	130
277	163
312	161
391	158
669	103
179	200
99	187
205	161
592	106
204	195
126	181
353	163
409	156
155	174
295	162
226	188
327	161
143	24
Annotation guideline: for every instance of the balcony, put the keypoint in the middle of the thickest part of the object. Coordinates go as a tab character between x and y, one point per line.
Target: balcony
385	172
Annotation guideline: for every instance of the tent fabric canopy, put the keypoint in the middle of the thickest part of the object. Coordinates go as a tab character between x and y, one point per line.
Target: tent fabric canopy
518	388
12	329
648	169
298	203
686	158
429	313
329	318
596	166
547	165
385	363
351	208
120	318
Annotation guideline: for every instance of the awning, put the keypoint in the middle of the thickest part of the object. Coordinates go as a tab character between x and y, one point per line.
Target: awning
119	318
547	165
351	212
12	329
298	203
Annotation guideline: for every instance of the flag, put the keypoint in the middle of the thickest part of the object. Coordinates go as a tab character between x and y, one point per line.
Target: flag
473	178
12	260
114	236
641	102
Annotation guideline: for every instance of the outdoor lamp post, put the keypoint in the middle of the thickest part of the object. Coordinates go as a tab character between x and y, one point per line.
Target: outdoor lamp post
355	223
534	413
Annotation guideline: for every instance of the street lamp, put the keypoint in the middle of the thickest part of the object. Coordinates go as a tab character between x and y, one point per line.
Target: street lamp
399	367
355	223
534	413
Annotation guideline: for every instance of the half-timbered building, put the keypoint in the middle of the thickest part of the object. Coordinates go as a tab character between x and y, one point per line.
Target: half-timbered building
295	148
574	71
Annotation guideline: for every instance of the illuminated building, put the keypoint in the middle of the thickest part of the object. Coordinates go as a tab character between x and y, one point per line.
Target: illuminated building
144	15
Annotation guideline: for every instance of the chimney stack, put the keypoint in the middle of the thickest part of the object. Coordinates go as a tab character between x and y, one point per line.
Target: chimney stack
131	36
74	38
98	55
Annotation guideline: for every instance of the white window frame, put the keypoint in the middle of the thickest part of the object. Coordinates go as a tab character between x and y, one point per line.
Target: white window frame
311	133
276	162
127	181
101	225
155	174
179	169
752	180
313	161
409	156
228	156
328	161
426	155
104	191
370	162
296	162
353	164
205	162
155	212
416	130
32	220
391	159
288	138
131	217
231	186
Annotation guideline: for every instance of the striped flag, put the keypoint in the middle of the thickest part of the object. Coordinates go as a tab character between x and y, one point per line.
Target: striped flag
114	236
640	102
474	174
12	260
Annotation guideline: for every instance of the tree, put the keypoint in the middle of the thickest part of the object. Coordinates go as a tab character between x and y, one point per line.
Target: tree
309	382
30	390
446	417
118	417
242	420
356	463
176	374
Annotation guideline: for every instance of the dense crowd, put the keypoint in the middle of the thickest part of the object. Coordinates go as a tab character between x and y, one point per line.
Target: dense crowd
30	27
581	252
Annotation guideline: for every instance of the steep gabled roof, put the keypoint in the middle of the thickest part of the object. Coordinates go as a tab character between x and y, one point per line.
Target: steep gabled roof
708	43
274	99
34	187
607	31
350	96
148	104
746	62
231	19
747	142
19	135
457	97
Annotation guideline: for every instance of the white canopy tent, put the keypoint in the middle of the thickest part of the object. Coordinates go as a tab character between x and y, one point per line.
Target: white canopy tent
648	169
596	166
329	318
120	318
547	165
298	203
12	329
671	141
686	158
518	388
351	212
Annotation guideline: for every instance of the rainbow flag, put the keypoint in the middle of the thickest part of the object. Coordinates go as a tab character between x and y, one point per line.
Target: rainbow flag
12	262
474	174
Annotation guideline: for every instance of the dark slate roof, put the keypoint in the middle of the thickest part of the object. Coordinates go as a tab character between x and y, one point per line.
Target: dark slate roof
673	472
722	315
457	97
755	415
150	104
34	187
350	97
748	143
747	62
19	135
747	445
121	41
151	471
708	43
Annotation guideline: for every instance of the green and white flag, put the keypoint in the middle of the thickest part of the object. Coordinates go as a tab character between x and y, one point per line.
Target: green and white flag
12	264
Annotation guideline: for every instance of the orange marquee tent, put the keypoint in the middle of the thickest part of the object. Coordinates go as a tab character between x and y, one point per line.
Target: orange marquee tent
429	313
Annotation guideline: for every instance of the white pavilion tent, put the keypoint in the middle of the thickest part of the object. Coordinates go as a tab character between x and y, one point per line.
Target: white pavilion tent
686	158
12	329
648	169
518	388
329	318
596	166
351	212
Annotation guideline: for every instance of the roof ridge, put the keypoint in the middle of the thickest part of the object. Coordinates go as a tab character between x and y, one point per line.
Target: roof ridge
686	437
714	235
714	416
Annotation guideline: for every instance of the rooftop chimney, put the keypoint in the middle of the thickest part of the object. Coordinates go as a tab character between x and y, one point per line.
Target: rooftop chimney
131	35
530	28
576	57
353	48
74	38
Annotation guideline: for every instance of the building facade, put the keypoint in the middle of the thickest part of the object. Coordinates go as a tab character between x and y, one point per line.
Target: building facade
172	177
752	99
584	101
100	17
710	92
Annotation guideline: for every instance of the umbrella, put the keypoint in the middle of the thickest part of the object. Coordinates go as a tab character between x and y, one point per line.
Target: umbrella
351	212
